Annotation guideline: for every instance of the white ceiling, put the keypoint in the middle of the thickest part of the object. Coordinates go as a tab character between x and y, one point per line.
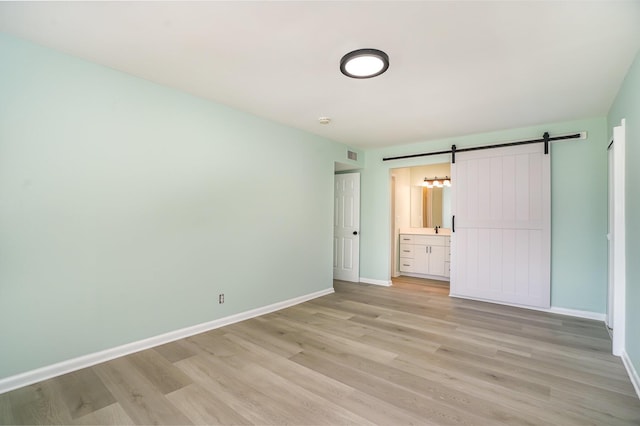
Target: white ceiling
456	67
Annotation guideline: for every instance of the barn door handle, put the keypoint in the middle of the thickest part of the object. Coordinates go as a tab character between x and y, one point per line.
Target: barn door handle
453	223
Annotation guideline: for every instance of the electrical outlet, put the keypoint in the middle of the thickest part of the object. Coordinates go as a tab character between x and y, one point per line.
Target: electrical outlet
221	298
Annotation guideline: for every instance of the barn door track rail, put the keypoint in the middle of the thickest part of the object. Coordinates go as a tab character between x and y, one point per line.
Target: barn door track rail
546	139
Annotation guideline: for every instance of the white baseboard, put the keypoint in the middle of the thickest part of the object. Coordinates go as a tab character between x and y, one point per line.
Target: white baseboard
29	377
631	371
553	310
375	282
577	313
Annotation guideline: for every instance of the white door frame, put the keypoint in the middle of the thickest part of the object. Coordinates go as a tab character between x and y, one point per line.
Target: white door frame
617	259
394	240
610	187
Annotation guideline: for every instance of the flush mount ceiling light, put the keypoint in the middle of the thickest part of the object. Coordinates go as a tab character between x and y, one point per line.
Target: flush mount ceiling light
364	63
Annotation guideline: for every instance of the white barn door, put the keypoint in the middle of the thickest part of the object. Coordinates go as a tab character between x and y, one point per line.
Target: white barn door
346	227
501	247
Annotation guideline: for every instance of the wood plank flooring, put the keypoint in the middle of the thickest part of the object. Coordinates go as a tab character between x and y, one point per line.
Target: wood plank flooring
406	354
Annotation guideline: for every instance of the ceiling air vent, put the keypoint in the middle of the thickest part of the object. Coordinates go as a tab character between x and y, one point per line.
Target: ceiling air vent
352	155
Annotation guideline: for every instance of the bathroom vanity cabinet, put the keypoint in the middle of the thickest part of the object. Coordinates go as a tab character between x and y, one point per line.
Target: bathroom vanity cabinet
425	256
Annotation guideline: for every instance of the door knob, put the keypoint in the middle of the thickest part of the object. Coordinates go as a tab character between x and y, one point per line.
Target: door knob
355	232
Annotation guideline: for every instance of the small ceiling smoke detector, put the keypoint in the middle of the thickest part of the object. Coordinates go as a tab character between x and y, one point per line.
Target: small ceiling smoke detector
324	120
364	63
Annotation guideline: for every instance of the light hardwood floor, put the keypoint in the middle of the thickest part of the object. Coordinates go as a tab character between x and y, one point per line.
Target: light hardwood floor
406	354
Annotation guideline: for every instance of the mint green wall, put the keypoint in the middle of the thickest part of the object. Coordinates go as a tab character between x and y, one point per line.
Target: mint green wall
627	106
578	210
127	207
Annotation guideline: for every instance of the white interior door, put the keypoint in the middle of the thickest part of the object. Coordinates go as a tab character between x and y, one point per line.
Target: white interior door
502	241
346	227
610	293
617	234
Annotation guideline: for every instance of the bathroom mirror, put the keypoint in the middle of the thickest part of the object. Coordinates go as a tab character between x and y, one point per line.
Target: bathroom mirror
430	207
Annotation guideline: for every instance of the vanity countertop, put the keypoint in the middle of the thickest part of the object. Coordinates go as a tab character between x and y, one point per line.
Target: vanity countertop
425	231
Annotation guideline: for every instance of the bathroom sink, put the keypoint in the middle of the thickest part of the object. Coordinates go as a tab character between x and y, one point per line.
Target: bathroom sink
425	231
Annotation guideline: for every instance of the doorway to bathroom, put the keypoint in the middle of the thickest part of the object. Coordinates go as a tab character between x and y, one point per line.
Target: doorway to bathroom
421	222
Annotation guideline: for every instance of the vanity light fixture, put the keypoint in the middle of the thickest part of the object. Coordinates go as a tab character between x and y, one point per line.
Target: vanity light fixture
437	182
364	63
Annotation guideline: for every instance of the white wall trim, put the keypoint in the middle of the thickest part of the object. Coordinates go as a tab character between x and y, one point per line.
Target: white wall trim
29	377
375	282
631	371
552	310
577	313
